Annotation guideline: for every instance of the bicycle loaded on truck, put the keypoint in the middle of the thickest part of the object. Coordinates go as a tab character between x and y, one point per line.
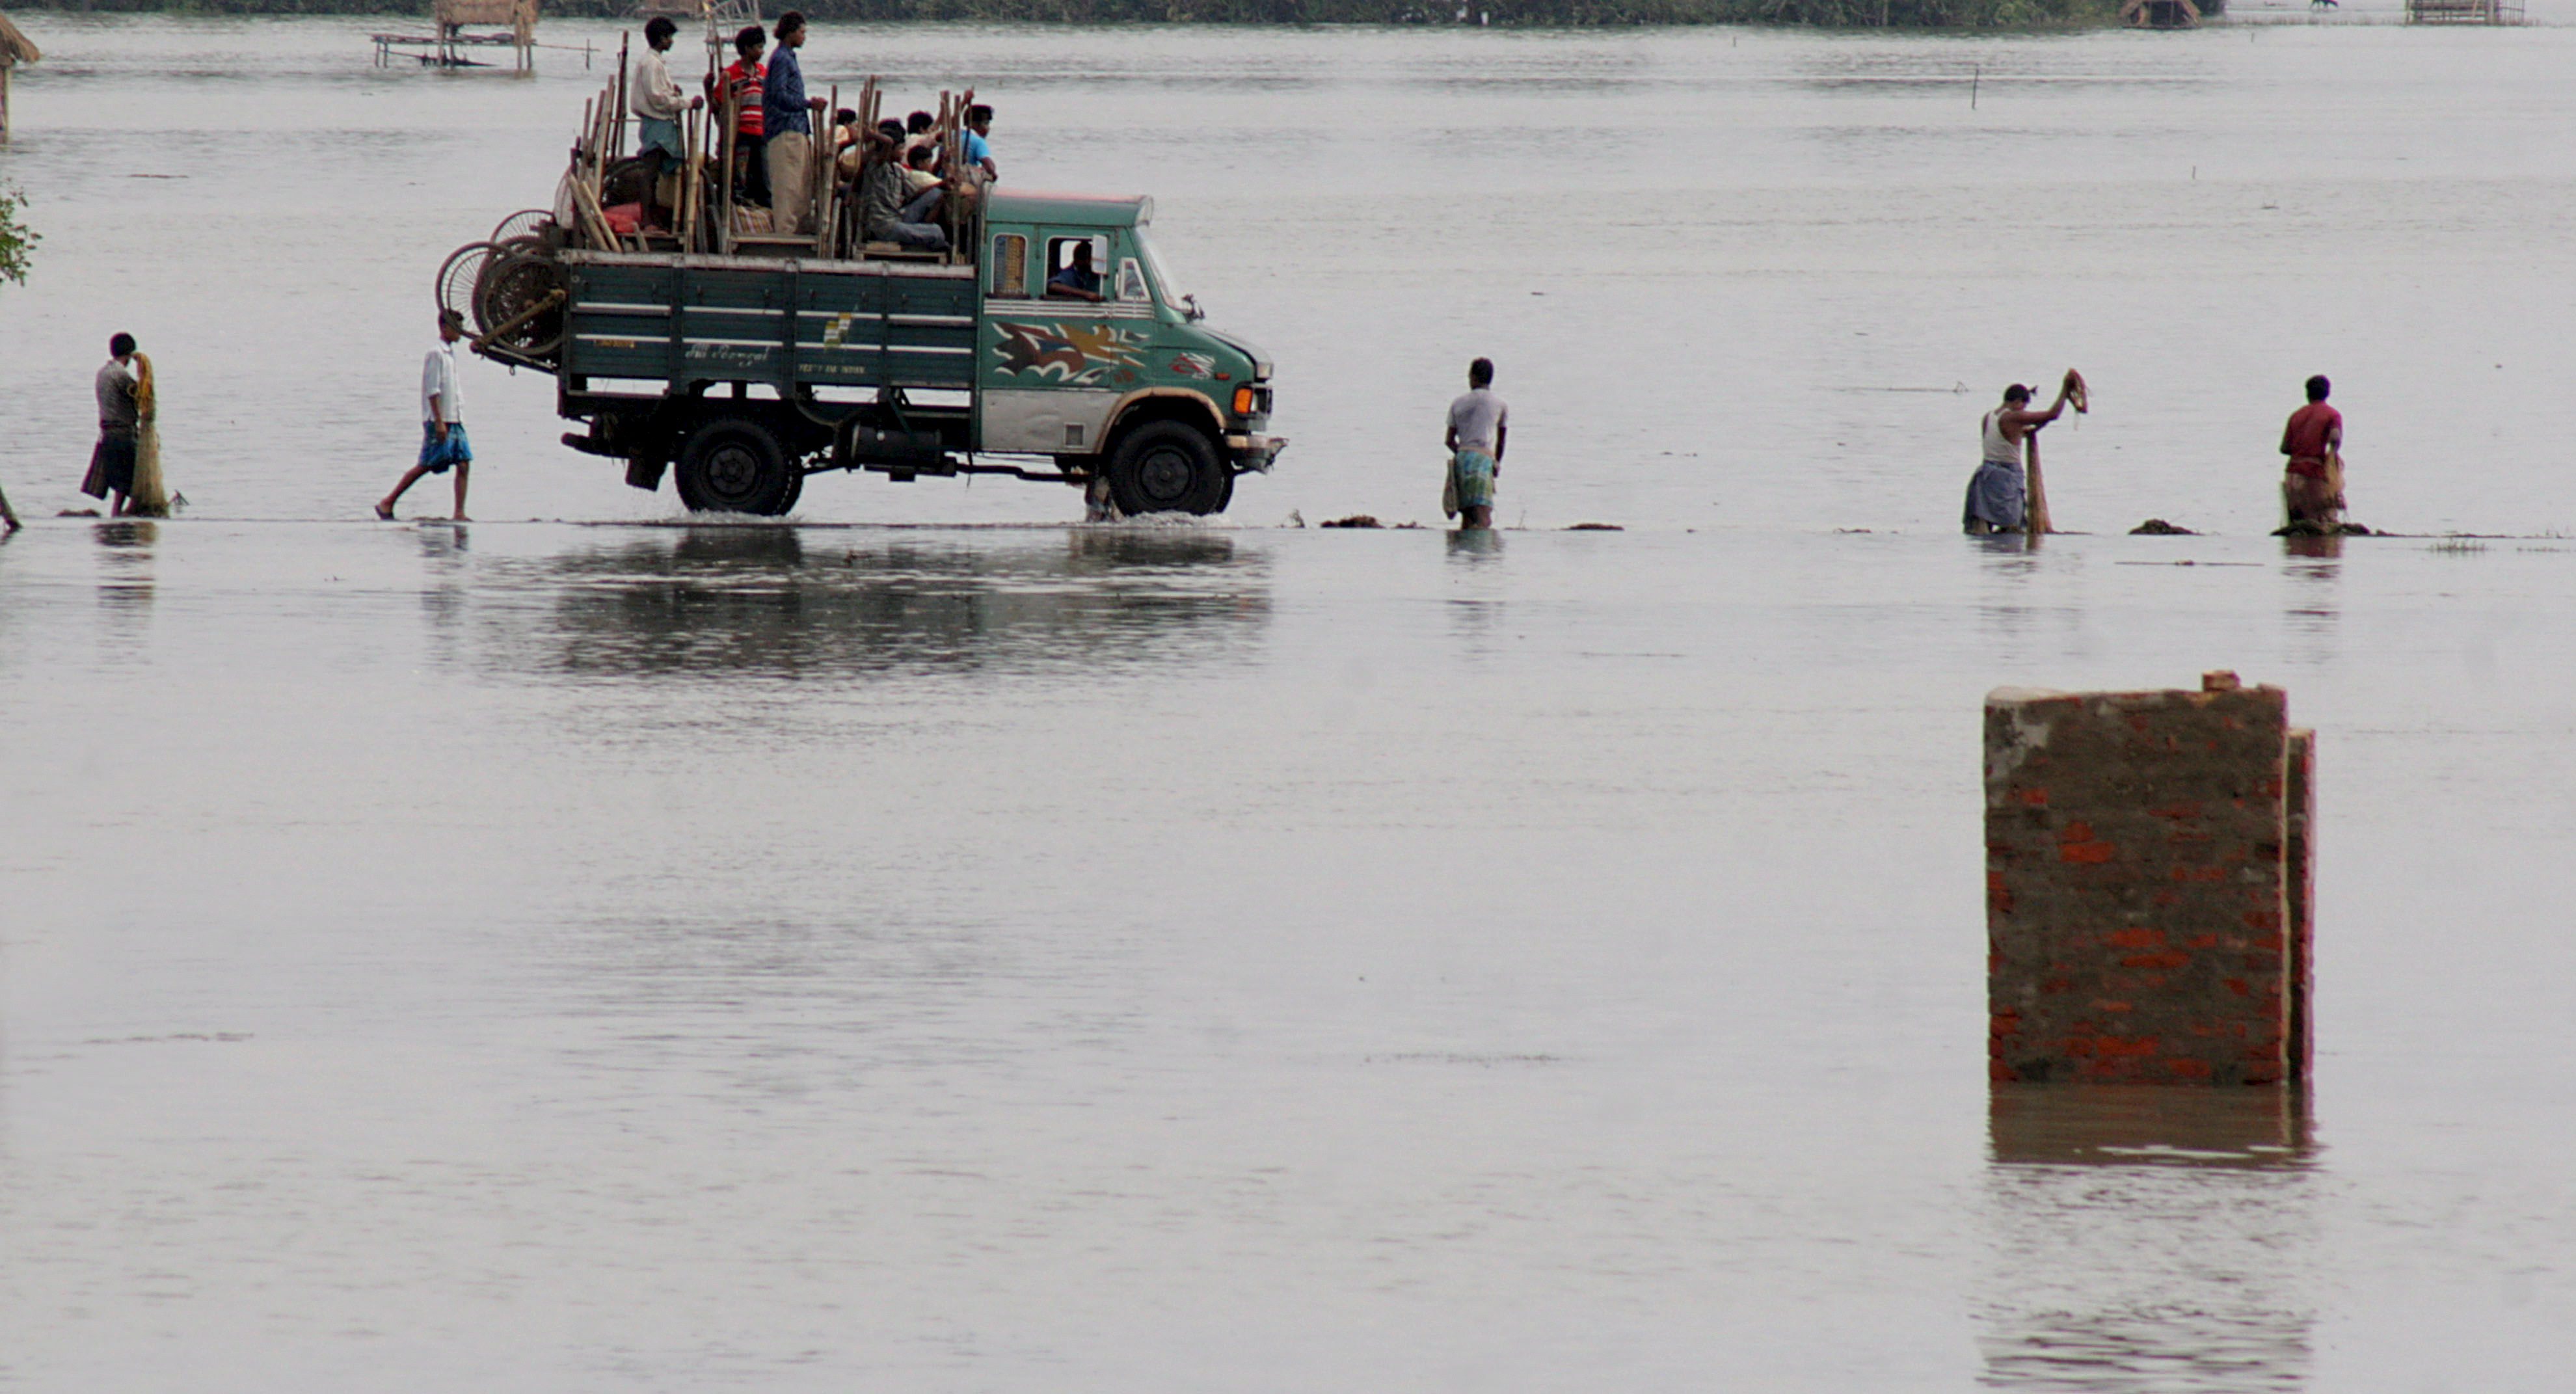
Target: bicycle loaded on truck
738	359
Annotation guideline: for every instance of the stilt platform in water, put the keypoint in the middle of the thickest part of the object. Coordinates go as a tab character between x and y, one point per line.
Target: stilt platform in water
2464	11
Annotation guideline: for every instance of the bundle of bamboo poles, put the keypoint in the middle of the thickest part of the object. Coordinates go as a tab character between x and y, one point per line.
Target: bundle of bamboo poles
956	213
603	134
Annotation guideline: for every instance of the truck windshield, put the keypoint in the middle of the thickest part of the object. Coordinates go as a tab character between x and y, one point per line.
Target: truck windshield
1164	286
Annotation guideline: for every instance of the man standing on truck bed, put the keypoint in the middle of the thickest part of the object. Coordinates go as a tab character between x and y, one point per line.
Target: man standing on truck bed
742	95
659	104
787	118
442	420
1479	424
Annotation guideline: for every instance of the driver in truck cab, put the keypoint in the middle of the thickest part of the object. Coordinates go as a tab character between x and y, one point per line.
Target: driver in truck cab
1077	281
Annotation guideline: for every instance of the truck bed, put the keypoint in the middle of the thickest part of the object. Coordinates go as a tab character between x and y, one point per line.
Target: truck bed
673	320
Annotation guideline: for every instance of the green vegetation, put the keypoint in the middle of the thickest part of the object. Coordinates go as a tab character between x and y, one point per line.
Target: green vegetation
17	240
1831	14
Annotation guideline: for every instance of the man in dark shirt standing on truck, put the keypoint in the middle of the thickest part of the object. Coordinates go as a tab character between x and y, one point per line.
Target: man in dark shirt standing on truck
787	120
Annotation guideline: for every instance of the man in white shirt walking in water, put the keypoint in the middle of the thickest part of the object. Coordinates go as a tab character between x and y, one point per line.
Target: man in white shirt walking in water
1479	423
442	419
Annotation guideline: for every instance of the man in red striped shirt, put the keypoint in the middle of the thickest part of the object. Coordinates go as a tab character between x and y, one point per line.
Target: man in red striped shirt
741	86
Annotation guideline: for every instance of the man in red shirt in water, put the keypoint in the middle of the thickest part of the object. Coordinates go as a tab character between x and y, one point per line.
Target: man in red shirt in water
2312	490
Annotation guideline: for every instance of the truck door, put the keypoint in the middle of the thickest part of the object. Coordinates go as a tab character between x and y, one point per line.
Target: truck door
1056	361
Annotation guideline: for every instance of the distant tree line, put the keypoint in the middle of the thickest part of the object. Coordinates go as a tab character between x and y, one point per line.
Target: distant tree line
1831	14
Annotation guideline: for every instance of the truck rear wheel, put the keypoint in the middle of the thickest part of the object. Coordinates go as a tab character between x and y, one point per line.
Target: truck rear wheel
736	466
1167	467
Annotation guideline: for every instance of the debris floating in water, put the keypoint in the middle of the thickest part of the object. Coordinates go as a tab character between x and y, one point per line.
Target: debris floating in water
2158	527
1596	527
1356	520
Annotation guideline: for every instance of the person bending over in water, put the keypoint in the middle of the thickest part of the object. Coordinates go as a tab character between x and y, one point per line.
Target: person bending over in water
1995	491
2312	485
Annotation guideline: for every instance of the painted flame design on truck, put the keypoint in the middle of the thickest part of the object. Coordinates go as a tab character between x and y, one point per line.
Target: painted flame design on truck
1084	354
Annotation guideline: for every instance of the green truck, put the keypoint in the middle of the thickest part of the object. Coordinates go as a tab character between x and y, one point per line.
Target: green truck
739	375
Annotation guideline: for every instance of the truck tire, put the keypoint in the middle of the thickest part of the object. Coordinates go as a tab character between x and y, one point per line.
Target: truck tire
1167	467
735	466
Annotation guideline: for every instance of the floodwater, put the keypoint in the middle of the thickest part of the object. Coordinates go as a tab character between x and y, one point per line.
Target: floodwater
612	954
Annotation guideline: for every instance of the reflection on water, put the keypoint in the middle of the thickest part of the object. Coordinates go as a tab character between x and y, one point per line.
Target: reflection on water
2314	564
771	601
125	589
2148	1240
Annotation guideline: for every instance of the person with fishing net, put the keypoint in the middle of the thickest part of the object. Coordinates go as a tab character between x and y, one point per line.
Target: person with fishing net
2312	481
2003	495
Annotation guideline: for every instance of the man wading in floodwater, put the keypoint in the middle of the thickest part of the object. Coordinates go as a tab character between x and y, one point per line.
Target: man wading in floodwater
1995	490
1478	425
111	461
442	420
2312	485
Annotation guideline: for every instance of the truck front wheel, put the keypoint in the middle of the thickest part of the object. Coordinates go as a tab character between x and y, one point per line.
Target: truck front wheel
1168	467
736	466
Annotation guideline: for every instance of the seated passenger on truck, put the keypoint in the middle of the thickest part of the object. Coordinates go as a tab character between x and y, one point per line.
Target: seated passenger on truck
919	178
888	208
847	149
978	145
917	135
1077	281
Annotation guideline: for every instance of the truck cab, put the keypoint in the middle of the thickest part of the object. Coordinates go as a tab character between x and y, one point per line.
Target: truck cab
1088	353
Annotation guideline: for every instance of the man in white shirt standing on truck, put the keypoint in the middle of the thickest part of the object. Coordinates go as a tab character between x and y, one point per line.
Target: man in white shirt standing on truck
442	419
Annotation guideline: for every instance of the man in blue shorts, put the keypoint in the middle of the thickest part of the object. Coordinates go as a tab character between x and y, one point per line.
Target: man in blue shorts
442	419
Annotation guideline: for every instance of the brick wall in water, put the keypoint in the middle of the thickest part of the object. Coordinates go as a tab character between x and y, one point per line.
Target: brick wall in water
2147	885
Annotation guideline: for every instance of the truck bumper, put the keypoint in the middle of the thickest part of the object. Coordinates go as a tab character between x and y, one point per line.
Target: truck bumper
1254	453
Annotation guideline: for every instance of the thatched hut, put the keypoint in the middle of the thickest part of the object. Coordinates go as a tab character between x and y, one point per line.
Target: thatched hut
518	16
15	48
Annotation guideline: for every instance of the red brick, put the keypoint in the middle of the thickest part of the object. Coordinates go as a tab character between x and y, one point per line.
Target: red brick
2167	908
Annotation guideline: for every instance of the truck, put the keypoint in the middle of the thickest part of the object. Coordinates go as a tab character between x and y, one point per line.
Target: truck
736	373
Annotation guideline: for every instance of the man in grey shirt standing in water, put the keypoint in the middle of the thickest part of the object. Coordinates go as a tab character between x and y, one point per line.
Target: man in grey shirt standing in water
1478	425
